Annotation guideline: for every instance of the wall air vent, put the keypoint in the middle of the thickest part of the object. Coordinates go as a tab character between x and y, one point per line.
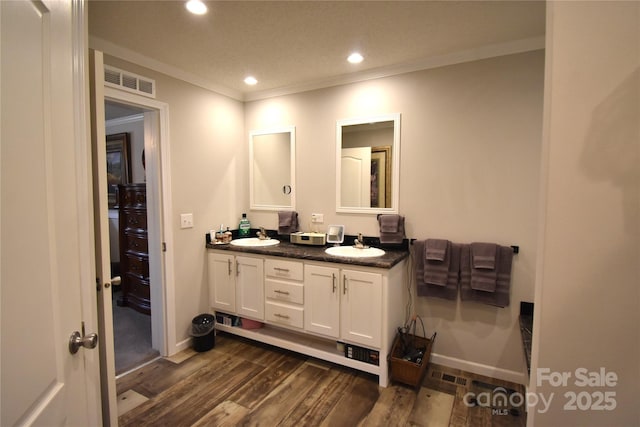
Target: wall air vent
120	79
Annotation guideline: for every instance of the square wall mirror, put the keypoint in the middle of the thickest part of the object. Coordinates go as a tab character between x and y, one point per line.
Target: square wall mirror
368	164
272	169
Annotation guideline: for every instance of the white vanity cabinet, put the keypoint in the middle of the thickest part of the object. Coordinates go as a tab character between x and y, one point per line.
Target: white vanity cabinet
222	281
250	287
344	304
310	305
322	300
236	284
284	291
361	308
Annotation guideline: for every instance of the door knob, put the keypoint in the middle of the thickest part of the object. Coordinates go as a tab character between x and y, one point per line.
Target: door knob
76	341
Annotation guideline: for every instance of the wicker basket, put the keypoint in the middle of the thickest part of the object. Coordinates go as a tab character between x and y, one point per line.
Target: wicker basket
406	371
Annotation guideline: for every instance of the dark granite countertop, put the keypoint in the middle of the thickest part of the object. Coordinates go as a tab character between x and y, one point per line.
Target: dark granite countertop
526	328
286	249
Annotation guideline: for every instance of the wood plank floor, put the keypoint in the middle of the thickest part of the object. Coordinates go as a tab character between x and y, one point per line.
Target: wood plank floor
241	382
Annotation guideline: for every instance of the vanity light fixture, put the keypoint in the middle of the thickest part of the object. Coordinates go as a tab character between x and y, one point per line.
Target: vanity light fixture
250	80
197	7
355	58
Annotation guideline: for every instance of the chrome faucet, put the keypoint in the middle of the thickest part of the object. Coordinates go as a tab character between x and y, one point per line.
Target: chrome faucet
262	234
359	242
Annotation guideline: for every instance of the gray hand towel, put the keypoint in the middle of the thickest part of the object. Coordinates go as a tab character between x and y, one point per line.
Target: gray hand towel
394	237
389	223
448	292
436	269
483	255
287	222
501	296
436	249
484	259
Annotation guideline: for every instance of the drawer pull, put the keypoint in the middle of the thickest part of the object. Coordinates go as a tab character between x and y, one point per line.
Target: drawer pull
344	284
281	270
281	316
229	265
333	275
277	291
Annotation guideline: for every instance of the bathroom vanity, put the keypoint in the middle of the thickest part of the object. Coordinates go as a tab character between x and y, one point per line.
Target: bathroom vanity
312	302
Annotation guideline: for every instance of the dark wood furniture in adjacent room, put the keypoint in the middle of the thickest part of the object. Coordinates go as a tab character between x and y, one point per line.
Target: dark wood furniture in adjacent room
134	248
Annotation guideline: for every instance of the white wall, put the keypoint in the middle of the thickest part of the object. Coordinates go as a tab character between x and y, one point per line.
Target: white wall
471	140
587	312
469	172
208	178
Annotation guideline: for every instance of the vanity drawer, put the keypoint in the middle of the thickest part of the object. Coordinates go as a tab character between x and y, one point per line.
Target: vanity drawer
281	269
284	314
284	291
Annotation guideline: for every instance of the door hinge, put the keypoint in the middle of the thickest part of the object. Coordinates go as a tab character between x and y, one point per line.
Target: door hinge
164	246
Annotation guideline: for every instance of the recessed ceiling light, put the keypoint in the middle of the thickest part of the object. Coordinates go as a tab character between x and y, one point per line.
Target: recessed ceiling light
196	7
355	58
250	80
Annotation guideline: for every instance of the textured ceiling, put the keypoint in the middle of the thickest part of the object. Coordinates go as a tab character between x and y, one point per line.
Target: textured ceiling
303	44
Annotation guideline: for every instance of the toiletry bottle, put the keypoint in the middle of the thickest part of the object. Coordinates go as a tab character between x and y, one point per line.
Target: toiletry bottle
228	236
220	235
244	227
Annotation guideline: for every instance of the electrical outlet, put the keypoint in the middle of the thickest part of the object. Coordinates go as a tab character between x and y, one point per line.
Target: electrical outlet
317	218
186	220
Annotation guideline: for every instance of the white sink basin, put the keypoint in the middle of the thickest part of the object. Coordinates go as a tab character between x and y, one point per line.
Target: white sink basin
353	252
253	242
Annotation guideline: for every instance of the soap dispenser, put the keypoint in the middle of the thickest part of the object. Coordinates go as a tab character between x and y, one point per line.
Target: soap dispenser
244	227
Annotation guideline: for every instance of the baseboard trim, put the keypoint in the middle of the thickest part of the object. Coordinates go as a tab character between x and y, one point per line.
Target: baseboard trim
182	345
480	369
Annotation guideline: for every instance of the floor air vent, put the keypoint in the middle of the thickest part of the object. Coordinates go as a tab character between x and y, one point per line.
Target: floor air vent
449	378
130	82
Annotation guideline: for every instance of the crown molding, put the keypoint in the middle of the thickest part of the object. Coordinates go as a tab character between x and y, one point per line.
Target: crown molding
469	55
129	55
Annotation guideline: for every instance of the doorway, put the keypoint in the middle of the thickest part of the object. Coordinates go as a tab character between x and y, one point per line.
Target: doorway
132	321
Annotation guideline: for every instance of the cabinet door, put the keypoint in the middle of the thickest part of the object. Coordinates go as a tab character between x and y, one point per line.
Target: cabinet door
322	300
250	287
361	308
221	275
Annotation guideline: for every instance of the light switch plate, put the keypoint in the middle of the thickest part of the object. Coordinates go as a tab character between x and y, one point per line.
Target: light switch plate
186	220
317	218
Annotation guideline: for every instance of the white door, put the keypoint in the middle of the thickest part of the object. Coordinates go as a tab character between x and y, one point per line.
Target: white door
322	300
221	276
250	287
102	247
46	262
356	177
361	308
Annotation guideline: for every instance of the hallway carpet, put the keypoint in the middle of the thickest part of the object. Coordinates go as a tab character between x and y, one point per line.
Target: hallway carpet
131	338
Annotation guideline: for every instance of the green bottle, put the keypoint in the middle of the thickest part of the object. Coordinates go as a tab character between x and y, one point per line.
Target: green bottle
244	227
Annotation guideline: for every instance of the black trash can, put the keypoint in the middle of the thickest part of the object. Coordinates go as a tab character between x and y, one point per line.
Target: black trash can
203	332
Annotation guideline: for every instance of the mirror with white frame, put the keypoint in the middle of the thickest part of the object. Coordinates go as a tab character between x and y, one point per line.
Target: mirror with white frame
368	164
272	169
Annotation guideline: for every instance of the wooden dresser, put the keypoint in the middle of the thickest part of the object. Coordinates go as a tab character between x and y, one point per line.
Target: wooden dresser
134	248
